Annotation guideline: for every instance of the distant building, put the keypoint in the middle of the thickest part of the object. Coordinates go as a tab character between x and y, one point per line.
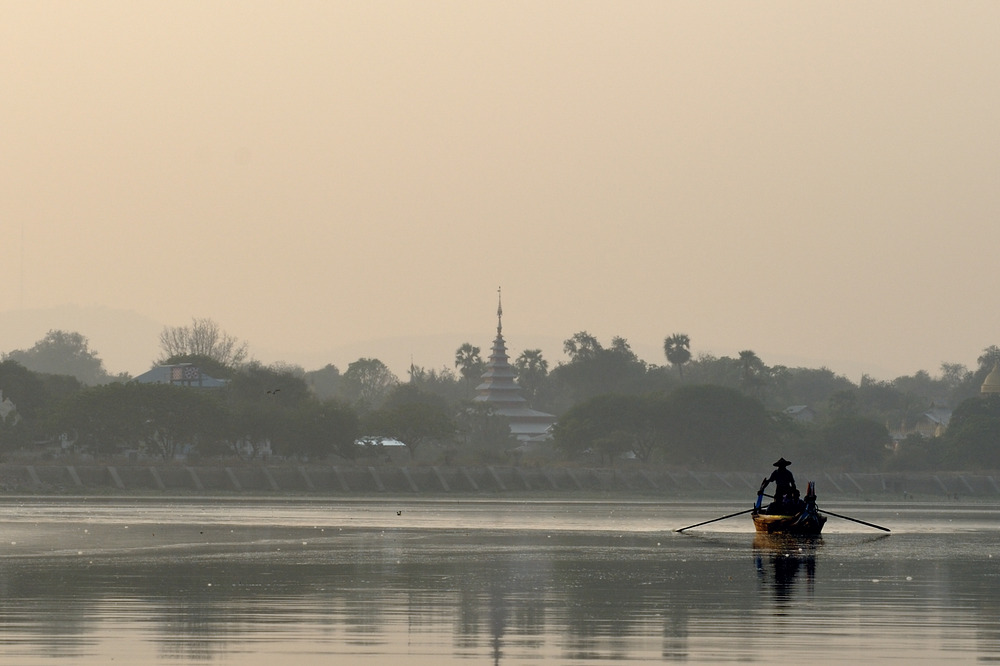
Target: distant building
500	391
931	423
182	374
991	385
7	407
388	449
801	413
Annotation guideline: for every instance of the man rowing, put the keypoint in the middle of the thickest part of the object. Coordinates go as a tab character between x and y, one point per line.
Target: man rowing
786	495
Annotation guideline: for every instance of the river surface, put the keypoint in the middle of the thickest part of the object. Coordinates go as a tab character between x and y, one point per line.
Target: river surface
266	582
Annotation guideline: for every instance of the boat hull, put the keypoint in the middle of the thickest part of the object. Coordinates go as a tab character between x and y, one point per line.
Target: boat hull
805	522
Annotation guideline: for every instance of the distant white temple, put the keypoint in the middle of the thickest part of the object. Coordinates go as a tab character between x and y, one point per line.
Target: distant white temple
991	385
7	407
500	390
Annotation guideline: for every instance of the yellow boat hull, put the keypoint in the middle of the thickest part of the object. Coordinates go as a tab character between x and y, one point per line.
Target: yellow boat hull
804	522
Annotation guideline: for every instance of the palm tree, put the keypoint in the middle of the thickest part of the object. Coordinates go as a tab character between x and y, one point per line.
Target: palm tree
752	372
678	350
468	362
531	371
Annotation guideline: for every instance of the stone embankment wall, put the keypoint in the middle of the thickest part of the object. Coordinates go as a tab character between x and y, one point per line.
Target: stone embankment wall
391	479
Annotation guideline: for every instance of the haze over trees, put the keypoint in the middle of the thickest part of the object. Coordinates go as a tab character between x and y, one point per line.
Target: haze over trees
366	383
695	411
592	370
158	418
63	353
973	437
261	412
411	416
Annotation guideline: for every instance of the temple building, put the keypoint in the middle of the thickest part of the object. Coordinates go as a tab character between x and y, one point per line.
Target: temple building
7	408
181	374
500	391
991	385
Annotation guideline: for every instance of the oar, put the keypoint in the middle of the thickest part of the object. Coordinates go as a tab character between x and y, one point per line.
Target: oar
878	527
714	520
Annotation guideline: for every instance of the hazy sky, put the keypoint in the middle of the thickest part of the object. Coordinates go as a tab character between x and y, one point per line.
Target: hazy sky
816	181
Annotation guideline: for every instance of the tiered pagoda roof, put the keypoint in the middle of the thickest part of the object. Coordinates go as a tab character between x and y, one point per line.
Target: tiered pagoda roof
500	390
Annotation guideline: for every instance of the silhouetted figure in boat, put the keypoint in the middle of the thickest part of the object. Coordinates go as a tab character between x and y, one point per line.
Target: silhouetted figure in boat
786	495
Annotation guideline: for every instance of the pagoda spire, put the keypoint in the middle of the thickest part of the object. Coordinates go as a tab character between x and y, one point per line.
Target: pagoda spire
498	385
499	313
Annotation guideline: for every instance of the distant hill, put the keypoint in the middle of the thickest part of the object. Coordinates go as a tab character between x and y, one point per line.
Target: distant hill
126	341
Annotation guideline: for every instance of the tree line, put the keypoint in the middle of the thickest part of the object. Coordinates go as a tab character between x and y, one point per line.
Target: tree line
692	410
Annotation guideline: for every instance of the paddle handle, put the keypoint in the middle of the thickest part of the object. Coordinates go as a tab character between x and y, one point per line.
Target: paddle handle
715	520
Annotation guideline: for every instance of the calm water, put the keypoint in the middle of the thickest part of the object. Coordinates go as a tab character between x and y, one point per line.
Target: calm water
364	582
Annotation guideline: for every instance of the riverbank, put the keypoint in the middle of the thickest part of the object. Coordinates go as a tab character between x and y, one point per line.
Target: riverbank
364	480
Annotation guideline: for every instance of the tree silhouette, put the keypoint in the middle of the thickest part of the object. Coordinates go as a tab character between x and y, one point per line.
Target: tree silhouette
470	365
531	372
412	416
677	348
582	346
753	373
202	338
63	353
366	383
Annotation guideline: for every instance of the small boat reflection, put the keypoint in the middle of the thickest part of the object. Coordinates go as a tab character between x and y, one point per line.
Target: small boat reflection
781	558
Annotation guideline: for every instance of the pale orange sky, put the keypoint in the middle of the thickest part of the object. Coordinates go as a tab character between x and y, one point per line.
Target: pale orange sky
818	182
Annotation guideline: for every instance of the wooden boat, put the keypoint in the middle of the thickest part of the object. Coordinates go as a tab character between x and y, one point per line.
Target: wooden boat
803	518
804	522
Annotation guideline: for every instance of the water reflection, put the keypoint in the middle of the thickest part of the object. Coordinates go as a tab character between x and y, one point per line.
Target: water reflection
215	593
573	597
779	558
